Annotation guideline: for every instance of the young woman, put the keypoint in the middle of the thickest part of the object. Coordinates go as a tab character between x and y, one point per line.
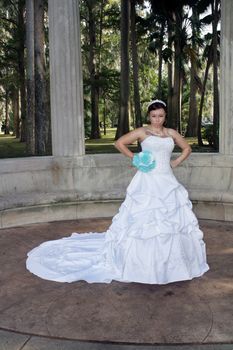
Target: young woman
154	238
157	117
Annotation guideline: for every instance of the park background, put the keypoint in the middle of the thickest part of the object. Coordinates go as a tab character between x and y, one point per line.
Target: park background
132	52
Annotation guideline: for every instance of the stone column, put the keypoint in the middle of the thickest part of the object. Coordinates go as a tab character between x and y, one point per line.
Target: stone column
226	79
66	85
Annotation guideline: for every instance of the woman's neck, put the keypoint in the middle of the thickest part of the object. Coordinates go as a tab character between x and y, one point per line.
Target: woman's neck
157	130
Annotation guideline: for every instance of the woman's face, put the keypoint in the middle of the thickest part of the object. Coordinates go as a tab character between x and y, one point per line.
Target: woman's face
157	117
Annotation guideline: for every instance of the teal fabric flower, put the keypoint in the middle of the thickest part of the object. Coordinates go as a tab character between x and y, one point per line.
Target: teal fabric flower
144	161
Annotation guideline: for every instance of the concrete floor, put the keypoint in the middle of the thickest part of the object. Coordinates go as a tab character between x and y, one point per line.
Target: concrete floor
39	314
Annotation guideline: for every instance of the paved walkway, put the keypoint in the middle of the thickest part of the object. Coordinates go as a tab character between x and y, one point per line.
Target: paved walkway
39	314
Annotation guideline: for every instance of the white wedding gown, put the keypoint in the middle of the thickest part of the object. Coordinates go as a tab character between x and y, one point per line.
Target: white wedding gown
154	238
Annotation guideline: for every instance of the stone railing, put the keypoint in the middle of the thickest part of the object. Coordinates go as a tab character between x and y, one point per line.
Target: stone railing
57	188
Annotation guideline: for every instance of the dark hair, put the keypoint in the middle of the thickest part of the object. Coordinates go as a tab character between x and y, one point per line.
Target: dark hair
156	105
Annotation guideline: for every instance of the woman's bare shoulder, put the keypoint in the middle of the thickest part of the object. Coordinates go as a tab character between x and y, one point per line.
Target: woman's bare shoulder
141	128
132	136
139	133
142	132
172	132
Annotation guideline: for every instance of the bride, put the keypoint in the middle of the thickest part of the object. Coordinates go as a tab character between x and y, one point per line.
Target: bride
155	236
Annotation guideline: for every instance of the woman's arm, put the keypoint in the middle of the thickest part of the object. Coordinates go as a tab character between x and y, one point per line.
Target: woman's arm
127	139
183	144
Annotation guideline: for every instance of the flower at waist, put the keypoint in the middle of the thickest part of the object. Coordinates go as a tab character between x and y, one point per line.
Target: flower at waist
144	161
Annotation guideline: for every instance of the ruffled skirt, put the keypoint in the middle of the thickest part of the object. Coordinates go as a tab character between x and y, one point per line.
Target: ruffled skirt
154	238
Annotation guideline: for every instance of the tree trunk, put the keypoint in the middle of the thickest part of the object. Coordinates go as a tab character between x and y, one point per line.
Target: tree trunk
176	103
21	68
100	33
214	6
192	120
7	121
30	125
193	113
209	60
170	80
95	129
123	121
137	107
181	95
104	116
159	91
42	121
15	109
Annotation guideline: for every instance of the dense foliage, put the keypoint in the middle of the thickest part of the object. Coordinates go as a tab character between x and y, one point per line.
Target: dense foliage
167	50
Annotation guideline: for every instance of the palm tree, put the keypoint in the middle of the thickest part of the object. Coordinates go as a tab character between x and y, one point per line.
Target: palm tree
173	13
137	106
211	53
21	66
208	54
95	130
30	125
123	121
42	116
157	46
196	42
215	7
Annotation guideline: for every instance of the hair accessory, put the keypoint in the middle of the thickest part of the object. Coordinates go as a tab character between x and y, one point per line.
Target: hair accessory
156	101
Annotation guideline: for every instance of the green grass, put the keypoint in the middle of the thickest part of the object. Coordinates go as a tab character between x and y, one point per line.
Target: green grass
105	144
10	147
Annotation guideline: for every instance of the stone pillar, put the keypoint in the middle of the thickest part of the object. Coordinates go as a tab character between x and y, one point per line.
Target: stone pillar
226	79
66	85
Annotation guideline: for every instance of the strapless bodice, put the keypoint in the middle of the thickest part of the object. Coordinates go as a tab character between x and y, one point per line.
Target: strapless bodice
162	148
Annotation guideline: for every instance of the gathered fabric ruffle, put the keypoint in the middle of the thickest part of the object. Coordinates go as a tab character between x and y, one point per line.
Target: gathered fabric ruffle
154	238
78	257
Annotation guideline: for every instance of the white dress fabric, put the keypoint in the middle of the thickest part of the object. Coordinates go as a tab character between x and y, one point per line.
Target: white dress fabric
154	238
